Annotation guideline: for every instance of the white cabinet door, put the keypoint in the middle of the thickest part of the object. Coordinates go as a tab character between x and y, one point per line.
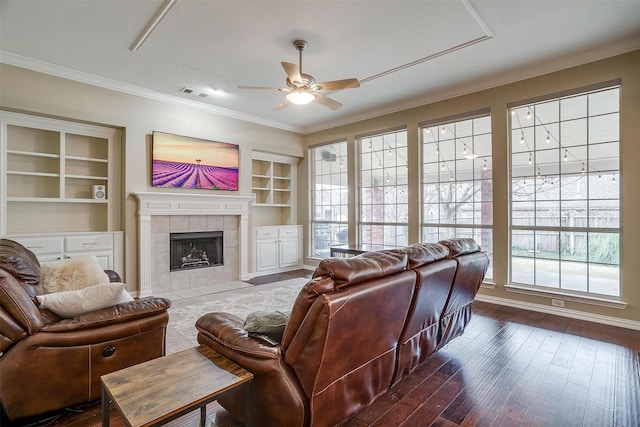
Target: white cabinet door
266	255
277	248
289	252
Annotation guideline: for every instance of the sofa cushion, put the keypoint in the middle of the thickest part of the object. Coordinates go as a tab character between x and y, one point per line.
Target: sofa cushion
73	303
425	253
71	274
461	246
368	266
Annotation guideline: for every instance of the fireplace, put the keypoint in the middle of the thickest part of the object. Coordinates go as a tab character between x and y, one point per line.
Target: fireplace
161	214
195	250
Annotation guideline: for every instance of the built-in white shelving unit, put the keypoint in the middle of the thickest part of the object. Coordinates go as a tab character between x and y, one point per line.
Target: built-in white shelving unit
273	179
49	170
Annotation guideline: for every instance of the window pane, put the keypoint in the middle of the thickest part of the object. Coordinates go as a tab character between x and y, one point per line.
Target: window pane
573	132
547	112
607	101
604	128
574	276
522	256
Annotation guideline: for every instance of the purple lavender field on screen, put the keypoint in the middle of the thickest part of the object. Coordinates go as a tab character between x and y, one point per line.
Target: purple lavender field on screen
188	175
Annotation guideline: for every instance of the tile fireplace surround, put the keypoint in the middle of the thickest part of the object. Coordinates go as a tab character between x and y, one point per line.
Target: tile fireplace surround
162	213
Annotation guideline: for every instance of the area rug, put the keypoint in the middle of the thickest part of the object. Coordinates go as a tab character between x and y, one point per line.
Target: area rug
183	314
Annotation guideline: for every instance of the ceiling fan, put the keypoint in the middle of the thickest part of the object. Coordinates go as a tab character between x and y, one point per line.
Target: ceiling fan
303	89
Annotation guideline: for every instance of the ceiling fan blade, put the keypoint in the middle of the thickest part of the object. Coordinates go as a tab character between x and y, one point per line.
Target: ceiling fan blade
327	102
292	72
337	85
283	104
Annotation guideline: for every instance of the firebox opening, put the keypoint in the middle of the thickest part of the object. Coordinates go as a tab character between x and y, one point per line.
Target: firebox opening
195	250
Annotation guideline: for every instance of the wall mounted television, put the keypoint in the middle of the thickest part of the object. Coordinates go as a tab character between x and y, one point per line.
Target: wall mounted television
186	162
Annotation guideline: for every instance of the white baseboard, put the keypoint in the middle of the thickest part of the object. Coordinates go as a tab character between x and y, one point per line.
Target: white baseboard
574	314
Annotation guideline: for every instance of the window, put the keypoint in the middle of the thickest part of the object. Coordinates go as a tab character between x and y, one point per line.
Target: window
565	193
457	188
383	203
329	197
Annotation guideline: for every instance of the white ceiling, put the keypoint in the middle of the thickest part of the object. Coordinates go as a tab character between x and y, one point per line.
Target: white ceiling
405	53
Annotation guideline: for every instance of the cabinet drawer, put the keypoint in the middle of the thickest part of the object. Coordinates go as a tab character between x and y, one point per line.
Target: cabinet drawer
267	233
288	232
92	242
42	245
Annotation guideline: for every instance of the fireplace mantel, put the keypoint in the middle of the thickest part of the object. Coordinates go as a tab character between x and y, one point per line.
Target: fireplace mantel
156	203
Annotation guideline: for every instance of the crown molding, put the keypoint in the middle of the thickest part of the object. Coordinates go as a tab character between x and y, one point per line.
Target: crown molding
102	82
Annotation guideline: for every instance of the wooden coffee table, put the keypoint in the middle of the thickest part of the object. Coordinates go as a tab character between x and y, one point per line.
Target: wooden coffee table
163	389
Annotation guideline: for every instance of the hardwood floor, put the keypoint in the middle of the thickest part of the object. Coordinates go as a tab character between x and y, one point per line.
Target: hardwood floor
514	367
511	367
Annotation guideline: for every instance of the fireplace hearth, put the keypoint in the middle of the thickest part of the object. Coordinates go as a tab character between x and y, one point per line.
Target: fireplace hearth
193	250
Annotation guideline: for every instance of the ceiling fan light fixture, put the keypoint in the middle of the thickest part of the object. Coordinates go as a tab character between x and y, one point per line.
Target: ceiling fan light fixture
300	97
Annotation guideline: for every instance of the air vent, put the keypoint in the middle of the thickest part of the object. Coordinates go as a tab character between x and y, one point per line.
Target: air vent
193	92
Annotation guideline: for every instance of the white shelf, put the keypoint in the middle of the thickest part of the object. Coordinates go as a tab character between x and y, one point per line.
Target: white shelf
54	200
53	175
86	159
33	153
98	178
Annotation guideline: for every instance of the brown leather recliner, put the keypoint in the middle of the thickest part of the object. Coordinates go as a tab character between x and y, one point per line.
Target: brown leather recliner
338	352
48	363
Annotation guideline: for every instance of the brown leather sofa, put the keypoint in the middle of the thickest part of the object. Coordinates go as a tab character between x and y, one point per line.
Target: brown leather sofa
359	326
48	363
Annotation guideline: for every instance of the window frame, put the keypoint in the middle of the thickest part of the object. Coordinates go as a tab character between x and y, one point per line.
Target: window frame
338	230
381	145
465	150
559	231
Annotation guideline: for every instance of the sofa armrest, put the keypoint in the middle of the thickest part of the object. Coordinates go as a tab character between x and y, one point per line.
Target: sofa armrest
228	331
113	276
115	314
278	397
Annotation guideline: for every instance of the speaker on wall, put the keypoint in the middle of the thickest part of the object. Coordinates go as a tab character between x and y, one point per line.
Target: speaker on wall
99	192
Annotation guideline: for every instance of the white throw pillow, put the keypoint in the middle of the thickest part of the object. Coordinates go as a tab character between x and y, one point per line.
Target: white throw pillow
73	303
71	274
